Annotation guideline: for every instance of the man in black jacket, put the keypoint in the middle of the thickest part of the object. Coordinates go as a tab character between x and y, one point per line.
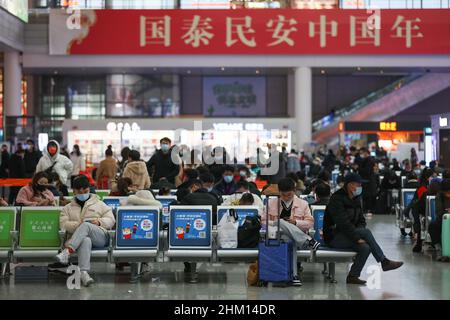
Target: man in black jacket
345	228
366	170
161	165
16	170
31	158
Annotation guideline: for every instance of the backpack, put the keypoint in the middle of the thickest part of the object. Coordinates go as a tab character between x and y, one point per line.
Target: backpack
248	233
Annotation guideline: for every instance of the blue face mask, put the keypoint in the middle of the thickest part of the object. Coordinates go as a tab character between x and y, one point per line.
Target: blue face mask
357	192
209	189
82	197
242	173
165	147
228	179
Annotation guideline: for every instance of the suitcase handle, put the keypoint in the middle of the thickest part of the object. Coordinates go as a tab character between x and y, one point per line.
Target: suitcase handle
273	242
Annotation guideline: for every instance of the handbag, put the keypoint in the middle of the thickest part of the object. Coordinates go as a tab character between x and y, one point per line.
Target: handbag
249	232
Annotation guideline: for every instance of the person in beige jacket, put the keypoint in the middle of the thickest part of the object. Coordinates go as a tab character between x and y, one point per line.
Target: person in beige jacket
87	221
107	170
136	170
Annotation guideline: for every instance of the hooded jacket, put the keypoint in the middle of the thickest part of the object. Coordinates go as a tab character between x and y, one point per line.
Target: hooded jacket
137	172
63	166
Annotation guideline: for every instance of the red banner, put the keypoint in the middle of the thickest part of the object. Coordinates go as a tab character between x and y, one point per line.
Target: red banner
269	31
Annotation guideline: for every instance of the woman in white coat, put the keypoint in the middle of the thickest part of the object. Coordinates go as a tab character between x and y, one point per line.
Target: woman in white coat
78	161
57	162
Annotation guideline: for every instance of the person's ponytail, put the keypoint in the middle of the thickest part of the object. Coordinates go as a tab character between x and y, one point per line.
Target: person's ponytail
109	151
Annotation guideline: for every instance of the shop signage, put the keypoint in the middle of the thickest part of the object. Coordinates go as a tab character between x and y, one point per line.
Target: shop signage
269	31
388	126
121	126
238	126
443	121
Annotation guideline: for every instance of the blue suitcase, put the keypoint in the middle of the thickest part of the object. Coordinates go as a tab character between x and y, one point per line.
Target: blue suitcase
275	258
275	261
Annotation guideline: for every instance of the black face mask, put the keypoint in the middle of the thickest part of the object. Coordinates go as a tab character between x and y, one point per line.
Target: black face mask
41	187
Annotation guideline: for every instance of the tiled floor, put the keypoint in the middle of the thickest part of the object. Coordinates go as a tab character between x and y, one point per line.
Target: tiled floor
420	278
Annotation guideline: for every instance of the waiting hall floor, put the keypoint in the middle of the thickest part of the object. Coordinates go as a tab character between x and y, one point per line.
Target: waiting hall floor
420	278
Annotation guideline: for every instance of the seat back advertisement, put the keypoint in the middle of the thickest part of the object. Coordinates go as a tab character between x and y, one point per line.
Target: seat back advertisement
137	228
113	202
190	226
242	212
407	197
165	201
318	214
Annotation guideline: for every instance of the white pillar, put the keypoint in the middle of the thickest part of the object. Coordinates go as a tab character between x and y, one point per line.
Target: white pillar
303	106
12	83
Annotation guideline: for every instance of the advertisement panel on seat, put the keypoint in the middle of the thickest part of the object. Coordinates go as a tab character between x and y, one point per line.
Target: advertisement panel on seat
137	228
190	227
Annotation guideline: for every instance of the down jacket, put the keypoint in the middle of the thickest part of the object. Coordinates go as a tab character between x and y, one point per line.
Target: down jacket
63	166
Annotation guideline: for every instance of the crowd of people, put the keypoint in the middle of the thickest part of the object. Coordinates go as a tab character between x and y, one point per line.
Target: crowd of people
358	191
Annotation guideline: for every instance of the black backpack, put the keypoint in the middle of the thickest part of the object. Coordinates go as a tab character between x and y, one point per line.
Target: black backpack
248	233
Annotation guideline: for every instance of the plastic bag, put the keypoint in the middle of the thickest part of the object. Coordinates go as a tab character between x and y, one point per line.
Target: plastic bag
227	231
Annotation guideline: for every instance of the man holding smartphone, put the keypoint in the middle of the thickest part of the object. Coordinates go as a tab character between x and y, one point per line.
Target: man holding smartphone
295	221
87	220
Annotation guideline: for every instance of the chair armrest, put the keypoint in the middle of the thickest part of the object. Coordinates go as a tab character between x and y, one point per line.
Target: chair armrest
14	238
112	237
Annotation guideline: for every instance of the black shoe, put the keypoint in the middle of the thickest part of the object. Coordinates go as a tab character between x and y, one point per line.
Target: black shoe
296	282
314	245
418	246
403	232
387	264
355	280
187	267
411	234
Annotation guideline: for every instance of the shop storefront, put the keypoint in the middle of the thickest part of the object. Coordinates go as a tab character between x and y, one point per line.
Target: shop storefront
240	138
440	125
394	137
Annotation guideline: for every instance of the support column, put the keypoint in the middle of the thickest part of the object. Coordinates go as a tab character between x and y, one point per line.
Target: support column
12	83
303	106
108	4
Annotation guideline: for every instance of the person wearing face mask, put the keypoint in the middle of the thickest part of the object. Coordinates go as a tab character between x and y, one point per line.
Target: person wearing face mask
86	220
53	161
345	228
137	171
31	158
160	166
226	186
295	221
207	180
243	187
244	175
37	193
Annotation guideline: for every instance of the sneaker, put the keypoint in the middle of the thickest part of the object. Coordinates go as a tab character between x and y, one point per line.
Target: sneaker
86	279
296	281
387	264
314	245
63	257
355	280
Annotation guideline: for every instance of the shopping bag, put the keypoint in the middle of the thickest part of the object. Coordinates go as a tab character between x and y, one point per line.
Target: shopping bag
227	230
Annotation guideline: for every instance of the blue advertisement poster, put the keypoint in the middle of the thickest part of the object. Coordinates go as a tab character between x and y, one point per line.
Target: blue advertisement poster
137	228
165	218
241	212
407	197
433	209
318	215
190	227
113	203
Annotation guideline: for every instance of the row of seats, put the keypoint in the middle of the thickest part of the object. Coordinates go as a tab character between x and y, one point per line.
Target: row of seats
406	196
32	234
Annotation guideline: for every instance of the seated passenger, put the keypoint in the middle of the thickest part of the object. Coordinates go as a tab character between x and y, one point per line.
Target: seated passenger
244	175
136	170
295	221
442	207
3	203
36	194
189	176
247	199
164	191
243	188
322	193
207	180
226	185
87	220
198	195
123	188
345	228
143	198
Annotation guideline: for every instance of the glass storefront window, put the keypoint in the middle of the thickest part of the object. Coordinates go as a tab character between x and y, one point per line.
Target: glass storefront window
143	95
1	104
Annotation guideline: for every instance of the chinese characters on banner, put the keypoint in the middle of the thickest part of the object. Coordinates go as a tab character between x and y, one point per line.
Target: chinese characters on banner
282	31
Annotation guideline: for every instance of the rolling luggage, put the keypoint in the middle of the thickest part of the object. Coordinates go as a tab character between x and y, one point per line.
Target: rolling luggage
275	256
446	235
